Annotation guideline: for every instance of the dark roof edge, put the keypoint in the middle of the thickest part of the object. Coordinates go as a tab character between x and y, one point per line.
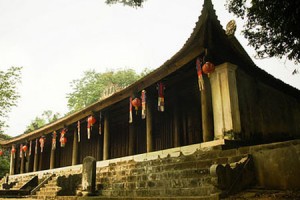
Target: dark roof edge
262	75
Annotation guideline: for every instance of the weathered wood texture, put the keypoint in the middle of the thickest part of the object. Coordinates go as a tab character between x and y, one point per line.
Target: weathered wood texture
266	113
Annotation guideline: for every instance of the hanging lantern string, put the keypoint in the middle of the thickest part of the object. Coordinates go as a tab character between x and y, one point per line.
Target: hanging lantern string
30	148
144	98
161	97
91	121
78	130
63	139
130	109
100	123
199	73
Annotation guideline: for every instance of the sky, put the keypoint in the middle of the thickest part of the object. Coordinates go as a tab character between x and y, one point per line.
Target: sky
55	41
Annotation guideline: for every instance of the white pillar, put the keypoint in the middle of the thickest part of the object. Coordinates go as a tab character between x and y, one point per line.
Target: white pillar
225	102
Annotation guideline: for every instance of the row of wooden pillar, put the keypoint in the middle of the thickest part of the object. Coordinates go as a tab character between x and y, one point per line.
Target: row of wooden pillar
106	146
106	141
219	109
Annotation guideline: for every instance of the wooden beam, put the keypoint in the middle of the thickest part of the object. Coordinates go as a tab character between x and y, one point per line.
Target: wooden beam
106	140
132	140
22	162
12	163
176	124
207	113
52	159
149	127
75	149
35	158
40	161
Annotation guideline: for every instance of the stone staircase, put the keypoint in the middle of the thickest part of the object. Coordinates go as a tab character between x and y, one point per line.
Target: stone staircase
49	190
20	182
1	182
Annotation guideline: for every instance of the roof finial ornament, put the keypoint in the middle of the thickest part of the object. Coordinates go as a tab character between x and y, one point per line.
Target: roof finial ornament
230	28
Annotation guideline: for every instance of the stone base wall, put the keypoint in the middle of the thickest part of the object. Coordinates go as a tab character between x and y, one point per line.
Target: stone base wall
184	171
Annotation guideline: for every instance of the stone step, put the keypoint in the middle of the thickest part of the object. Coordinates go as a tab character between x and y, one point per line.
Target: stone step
50	184
56	188
66	197
172	191
208	197
46	197
46	193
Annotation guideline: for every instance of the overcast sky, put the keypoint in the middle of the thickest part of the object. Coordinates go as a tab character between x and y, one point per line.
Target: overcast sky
56	40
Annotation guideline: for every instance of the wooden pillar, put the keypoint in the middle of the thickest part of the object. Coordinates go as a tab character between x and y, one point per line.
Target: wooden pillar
27	159
40	161
206	110
176	141
36	157
22	160
225	103
106	142
52	158
149	128
132	140
12	163
75	149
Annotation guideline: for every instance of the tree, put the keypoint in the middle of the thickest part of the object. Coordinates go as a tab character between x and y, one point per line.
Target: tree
93	86
271	26
47	117
4	165
9	81
132	3
4	159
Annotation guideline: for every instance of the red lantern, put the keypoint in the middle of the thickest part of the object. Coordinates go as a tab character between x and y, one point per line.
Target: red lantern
63	141
42	143
208	68
91	121
136	102
13	150
24	148
1	152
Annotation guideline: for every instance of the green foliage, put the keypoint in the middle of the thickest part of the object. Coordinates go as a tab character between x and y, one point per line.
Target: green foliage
47	117
271	27
4	164
4	136
94	86
8	92
131	3
4	159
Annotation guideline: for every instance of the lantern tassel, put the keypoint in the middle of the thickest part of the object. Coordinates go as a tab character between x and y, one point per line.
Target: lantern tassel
89	132
130	110
143	104
161	98
36	146
201	83
200	76
78	131
30	146
54	141
21	151
100	123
